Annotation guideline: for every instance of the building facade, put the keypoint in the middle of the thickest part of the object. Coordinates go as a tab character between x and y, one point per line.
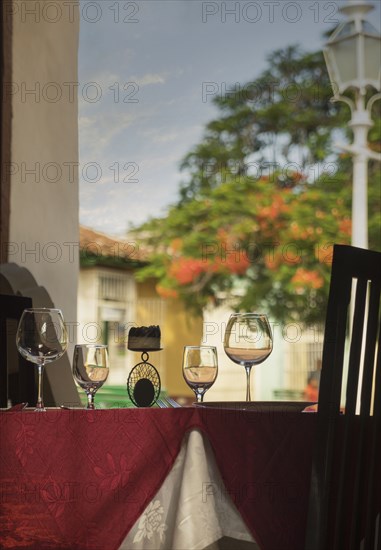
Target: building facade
111	301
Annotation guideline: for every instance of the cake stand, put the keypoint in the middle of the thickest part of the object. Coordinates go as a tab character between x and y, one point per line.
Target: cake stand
143	384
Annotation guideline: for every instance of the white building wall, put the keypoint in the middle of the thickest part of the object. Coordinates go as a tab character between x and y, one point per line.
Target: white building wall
87	306
94	310
44	228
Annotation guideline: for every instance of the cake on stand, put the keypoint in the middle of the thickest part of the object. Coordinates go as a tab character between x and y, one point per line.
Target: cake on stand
143	384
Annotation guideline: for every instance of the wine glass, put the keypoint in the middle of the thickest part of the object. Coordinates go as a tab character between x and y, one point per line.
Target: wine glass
90	369
200	368
41	338
248	341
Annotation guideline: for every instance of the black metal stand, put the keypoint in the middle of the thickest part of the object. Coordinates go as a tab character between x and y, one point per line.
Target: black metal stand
143	384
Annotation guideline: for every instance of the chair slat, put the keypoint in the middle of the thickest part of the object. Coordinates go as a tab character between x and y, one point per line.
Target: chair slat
334	348
357	512
377	385
374	481
356	346
370	347
373	487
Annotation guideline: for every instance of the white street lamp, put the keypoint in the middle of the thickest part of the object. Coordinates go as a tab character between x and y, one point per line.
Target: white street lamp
353	58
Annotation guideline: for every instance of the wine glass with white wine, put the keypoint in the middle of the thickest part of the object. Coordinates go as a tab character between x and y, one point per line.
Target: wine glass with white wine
200	368
248	341
90	369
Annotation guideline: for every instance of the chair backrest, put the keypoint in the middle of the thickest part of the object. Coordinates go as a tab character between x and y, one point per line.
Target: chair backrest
16	375
345	496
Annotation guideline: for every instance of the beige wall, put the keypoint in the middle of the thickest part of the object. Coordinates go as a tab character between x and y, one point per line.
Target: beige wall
44	229
179	328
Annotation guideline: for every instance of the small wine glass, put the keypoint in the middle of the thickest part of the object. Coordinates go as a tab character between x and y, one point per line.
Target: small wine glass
200	368
248	341
90	369
41	338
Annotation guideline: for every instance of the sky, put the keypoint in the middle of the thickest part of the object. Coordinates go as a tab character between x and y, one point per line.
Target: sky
148	71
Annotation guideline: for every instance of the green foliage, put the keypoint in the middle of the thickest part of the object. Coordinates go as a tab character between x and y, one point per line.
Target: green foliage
283	114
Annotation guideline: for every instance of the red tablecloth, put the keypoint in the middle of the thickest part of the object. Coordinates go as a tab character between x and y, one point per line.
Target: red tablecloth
78	480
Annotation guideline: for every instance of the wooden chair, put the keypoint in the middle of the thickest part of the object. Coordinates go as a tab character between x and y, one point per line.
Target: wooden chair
16	375
345	496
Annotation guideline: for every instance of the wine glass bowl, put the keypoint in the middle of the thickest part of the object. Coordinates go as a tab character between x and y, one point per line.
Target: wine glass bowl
200	368
248	341
90	369
41	338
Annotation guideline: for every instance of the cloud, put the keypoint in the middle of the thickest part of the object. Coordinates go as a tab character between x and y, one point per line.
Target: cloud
148	79
98	132
158	135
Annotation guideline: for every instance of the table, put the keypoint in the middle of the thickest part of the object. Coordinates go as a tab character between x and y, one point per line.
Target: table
80	480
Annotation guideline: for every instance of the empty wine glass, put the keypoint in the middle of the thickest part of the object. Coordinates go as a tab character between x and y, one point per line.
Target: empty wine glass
200	368
90	369
41	338
248	341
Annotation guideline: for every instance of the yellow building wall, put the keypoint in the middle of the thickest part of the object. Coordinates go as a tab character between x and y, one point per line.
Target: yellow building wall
179	328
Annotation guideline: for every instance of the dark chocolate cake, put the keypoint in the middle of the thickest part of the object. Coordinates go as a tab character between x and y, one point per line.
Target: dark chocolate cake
144	338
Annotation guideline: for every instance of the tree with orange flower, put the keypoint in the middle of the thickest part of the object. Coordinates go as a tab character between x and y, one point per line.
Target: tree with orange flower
251	224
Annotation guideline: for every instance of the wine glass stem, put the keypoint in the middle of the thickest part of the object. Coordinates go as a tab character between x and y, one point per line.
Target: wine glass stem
40	403
248	394
90	400
199	397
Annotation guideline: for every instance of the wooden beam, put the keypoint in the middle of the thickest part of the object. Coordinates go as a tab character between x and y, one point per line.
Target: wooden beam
5	125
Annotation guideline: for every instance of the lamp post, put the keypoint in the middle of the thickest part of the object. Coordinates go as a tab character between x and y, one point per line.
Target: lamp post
353	58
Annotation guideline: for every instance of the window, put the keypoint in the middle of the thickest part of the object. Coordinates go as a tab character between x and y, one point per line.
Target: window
113	287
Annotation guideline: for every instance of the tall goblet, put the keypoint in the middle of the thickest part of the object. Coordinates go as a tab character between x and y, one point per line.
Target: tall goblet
248	341
200	368
41	338
90	369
